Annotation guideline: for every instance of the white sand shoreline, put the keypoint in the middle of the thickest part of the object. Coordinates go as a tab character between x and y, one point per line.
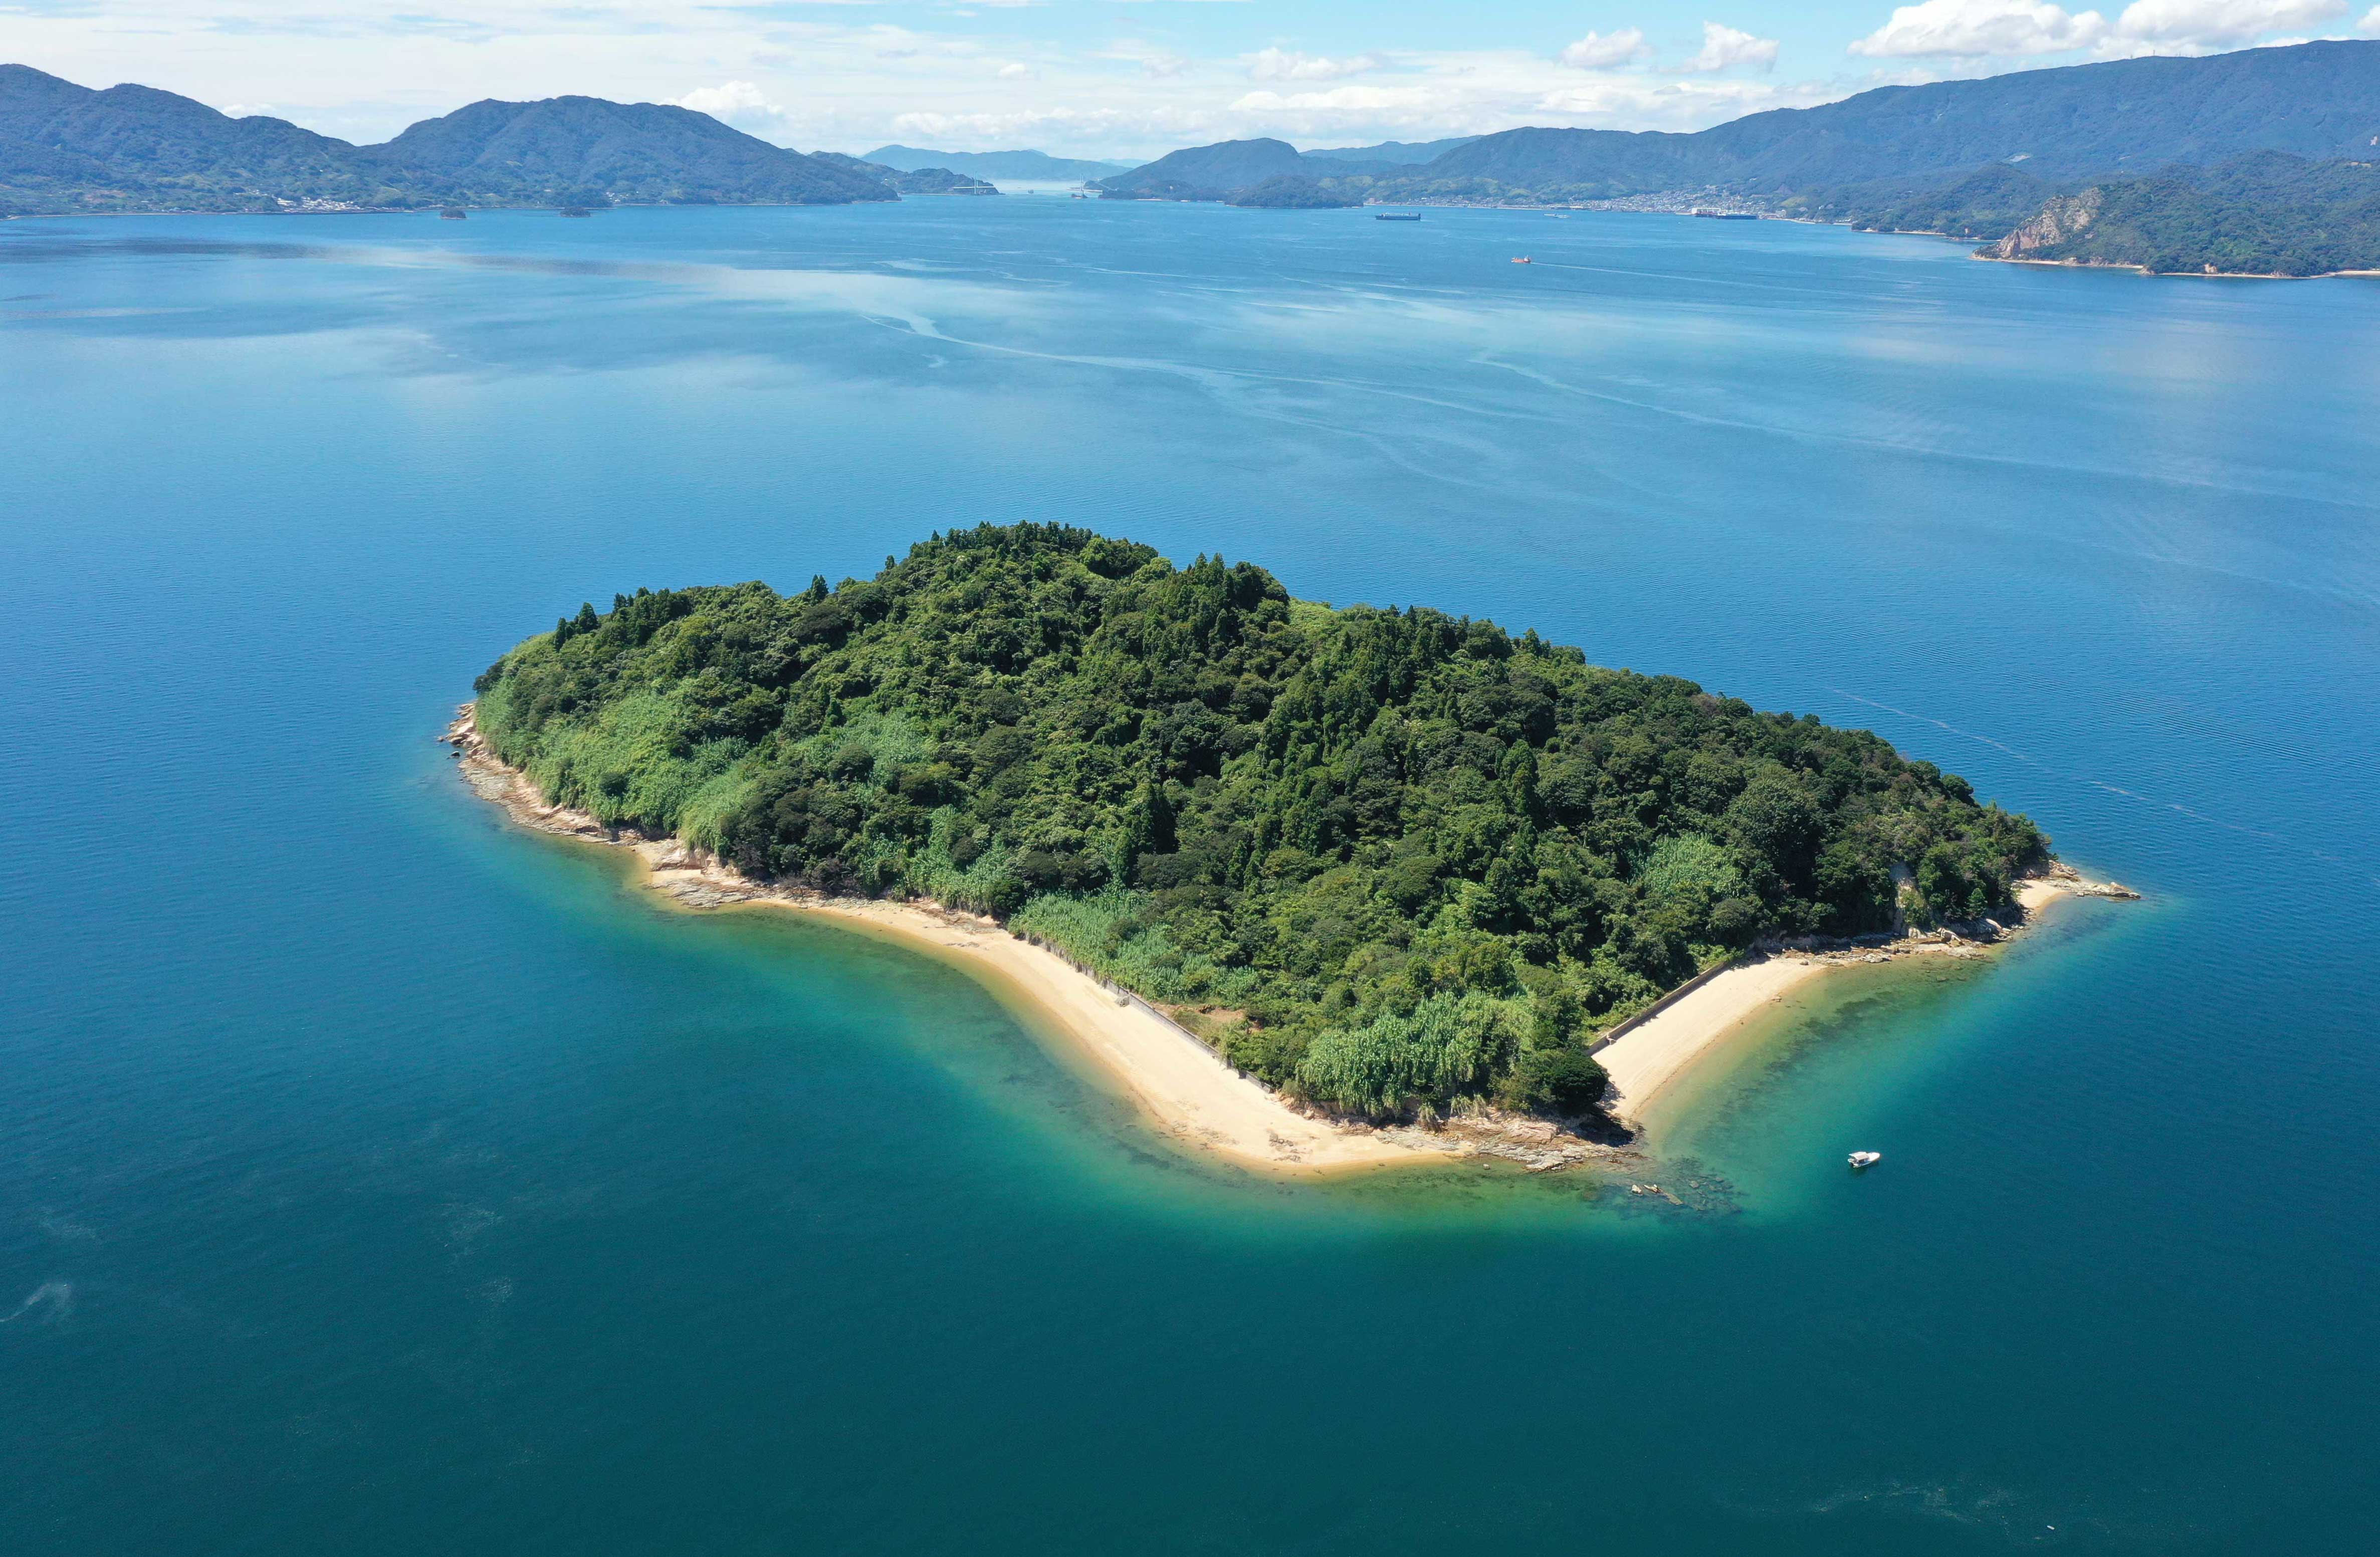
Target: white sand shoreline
1648	1058
1181	1087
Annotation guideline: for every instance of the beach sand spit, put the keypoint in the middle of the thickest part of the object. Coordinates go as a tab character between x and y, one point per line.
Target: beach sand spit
1644	1060
1181	1086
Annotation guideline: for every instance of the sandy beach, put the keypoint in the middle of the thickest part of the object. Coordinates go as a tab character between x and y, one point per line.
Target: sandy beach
1183	1090
1646	1059
1181	1087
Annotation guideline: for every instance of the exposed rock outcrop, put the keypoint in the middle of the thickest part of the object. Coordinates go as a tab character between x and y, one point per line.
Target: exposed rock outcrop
2061	221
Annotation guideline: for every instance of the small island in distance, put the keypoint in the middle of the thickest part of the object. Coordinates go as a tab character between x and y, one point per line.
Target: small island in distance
1392	864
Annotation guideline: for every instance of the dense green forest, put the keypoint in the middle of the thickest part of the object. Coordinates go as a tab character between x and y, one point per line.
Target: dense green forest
65	147
1385	859
1987	203
2269	213
1292	193
1873	152
2266	213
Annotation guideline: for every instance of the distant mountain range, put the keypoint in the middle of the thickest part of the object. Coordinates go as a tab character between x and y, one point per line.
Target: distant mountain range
2311	100
1402	154
2316	100
909	181
65	147
2257	162
1215	172
2133	161
1021	166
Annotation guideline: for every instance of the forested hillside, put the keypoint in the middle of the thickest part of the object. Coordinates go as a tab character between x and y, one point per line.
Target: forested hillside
1991	202
916	181
2270	215
1216	172
65	149
1398	857
585	151
1877	151
2311	100
1290	193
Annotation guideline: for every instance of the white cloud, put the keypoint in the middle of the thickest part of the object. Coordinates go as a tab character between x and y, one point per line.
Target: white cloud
1152	128
1285	64
2214	24
1013	71
847	78
1726	46
741	103
2370	25
1162	63
1968	28
2009	28
1478	92
1600	51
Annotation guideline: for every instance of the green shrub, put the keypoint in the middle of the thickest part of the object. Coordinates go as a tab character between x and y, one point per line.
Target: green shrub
1396	837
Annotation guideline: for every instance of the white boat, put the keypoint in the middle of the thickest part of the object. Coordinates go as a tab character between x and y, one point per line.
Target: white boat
1866	1159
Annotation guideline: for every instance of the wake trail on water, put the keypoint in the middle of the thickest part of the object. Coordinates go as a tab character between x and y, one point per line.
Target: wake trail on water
2089	782
1890	446
1832	297
1209	378
54	1297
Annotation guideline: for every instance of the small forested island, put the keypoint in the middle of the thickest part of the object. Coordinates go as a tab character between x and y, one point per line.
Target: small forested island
1385	861
1290	193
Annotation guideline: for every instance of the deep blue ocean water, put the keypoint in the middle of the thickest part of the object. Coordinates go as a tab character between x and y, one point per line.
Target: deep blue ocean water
376	1179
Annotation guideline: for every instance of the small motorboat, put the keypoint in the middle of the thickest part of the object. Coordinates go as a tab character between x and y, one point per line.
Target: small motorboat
1522	260
1865	1159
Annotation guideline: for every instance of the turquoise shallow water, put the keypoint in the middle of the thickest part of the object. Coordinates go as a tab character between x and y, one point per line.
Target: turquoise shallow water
376	1179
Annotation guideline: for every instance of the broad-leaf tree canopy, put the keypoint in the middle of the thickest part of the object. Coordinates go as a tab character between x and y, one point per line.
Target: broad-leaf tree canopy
1390	859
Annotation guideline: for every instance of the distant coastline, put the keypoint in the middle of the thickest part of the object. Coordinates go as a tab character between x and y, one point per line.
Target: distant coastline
2145	270
1186	1092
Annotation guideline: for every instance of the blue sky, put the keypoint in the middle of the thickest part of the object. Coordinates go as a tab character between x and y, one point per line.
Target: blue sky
1125	79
